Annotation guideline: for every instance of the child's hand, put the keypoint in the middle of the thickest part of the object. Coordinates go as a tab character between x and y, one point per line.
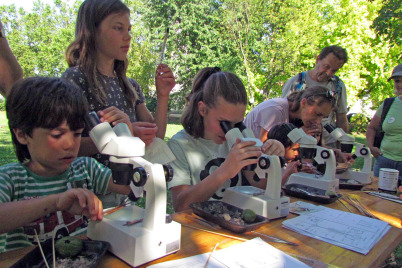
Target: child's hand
273	147
291	168
242	154
342	157
114	116
145	131
80	201
164	80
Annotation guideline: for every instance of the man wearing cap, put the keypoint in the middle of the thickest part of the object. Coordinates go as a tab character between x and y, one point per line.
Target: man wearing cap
330	60
389	154
10	69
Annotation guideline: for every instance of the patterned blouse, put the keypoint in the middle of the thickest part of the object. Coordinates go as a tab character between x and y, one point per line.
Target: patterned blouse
114	94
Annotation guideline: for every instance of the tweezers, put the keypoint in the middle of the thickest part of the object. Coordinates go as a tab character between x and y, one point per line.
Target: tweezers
275	239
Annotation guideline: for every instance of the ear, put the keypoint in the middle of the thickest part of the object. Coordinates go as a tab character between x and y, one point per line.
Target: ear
303	103
317	59
202	108
21	136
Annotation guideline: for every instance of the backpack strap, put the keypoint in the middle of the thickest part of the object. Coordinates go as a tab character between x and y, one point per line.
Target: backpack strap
301	81
337	84
387	104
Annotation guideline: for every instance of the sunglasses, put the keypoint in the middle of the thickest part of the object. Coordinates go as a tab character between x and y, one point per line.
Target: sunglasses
328	95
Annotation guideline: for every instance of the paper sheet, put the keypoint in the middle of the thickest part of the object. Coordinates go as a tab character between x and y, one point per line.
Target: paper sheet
344	229
254	253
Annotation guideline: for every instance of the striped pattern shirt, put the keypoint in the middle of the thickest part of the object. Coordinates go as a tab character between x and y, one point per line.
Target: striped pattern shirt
18	183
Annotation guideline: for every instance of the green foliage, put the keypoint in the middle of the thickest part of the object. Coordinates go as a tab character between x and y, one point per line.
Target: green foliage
389	21
263	42
358	123
2	105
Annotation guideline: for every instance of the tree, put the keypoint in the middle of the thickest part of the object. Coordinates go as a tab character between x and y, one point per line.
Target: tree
389	21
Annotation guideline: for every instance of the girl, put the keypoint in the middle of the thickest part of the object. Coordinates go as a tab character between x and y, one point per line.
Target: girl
98	64
310	106
204	164
46	118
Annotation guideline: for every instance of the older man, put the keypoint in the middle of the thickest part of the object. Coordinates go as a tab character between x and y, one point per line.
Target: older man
330	60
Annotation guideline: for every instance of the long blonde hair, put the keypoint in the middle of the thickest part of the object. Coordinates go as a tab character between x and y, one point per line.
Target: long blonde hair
82	51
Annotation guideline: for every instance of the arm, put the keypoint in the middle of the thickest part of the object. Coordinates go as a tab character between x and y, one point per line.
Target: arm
10	69
263	135
370	134
117	188
342	121
238	157
77	201
164	82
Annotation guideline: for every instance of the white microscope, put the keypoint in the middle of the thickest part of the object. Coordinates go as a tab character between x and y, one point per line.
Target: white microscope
352	177
315	187
136	236
269	203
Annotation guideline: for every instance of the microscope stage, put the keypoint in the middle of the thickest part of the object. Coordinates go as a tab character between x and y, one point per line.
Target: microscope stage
134	243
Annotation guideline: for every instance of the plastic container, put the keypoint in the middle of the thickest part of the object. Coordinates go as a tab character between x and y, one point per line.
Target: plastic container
203	209
388	180
93	250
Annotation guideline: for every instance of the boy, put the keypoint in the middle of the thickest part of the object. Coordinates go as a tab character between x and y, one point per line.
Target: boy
46	119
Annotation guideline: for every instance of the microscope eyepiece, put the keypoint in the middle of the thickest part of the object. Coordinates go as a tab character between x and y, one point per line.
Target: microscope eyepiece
91	119
329	127
226	126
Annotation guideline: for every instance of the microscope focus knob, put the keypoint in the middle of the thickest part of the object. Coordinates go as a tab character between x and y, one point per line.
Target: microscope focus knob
325	154
139	176
263	162
364	151
168	170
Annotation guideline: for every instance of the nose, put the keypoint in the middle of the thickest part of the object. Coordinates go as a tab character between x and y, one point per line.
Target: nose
69	142
330	72
127	36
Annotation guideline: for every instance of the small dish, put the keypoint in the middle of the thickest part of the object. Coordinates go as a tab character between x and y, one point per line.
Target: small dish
93	250
310	193
213	211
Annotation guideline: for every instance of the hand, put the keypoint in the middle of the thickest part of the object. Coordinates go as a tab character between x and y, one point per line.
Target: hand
291	168
375	151
273	147
243	153
114	116
342	157
80	201
145	131
164	81
306	167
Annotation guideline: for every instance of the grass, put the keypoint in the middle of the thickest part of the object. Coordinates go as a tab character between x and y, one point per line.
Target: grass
7	156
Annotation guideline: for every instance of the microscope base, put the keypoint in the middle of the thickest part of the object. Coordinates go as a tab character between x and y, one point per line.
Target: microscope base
359	176
135	244
311	180
249	197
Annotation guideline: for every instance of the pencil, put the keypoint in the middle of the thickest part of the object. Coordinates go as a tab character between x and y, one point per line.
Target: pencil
211	255
164	45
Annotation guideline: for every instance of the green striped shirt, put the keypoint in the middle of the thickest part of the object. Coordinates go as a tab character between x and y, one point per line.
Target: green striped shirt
17	183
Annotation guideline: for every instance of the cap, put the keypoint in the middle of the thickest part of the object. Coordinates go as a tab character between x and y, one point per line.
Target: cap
397	71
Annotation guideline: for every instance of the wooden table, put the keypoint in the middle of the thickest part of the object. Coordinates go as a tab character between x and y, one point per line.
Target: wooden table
195	242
